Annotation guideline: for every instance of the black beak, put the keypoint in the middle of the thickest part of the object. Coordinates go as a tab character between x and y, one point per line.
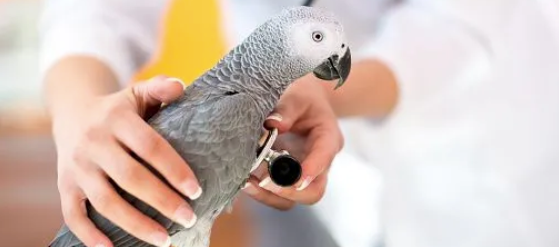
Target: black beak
335	68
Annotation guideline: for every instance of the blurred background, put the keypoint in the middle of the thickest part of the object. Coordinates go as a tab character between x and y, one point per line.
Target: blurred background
28	195
19	85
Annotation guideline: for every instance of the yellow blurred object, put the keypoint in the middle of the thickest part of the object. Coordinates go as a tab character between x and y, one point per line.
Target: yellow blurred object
191	42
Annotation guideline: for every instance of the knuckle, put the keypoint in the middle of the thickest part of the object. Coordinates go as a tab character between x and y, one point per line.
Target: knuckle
285	206
111	111
128	174
151	145
92	134
64	183
315	197
101	200
79	158
165	201
78	153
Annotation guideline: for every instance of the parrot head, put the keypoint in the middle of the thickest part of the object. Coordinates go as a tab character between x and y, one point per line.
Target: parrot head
302	40
317	38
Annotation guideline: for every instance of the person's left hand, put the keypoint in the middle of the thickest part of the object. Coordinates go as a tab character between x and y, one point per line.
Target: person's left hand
309	130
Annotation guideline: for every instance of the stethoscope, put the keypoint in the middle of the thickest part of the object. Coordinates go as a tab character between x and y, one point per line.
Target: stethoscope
284	170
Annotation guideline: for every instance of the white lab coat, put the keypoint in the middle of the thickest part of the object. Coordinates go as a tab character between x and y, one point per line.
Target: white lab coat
470	155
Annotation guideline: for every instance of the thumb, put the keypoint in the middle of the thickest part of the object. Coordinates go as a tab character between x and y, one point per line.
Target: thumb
284	116
158	90
152	93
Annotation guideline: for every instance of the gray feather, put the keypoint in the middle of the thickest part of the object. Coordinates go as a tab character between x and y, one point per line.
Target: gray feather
217	134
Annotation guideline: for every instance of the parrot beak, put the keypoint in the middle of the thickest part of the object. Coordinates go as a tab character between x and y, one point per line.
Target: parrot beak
335	68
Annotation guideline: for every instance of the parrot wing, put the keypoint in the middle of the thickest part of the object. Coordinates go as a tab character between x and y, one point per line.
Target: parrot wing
219	142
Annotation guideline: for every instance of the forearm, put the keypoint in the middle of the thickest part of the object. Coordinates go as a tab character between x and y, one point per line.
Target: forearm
83	53
370	91
75	79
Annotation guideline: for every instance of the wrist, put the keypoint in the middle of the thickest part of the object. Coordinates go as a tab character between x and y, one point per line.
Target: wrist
75	81
370	91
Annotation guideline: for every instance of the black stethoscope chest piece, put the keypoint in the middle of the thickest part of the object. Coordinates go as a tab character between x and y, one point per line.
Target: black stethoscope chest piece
283	169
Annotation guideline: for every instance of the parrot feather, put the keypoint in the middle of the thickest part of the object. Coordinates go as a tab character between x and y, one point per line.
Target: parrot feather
217	123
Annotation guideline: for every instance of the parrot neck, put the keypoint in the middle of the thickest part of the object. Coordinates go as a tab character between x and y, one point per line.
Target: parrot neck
261	73
267	99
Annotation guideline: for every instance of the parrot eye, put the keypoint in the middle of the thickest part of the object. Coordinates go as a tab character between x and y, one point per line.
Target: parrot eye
317	36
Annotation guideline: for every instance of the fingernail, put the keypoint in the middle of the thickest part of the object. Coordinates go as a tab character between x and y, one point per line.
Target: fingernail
196	194
161	239
275	116
269	186
100	245
192	189
185	216
305	184
174	79
249	189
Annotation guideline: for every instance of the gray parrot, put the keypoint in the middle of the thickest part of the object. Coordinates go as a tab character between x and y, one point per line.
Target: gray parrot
216	125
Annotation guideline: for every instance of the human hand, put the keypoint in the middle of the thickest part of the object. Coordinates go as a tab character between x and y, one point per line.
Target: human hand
93	140
309	130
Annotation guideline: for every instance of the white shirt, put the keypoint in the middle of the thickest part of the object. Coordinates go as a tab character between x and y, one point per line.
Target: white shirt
470	155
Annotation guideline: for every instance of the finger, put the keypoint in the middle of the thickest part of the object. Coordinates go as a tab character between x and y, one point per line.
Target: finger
75	216
148	96
324	147
137	180
274	121
285	114
266	197
159	90
151	147
325	144
311	195
109	204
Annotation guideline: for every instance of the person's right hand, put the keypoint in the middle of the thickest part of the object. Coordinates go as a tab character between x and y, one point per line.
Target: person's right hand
93	142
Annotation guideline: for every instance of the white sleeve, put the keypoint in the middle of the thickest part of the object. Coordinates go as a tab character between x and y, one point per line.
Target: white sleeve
121	33
430	53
